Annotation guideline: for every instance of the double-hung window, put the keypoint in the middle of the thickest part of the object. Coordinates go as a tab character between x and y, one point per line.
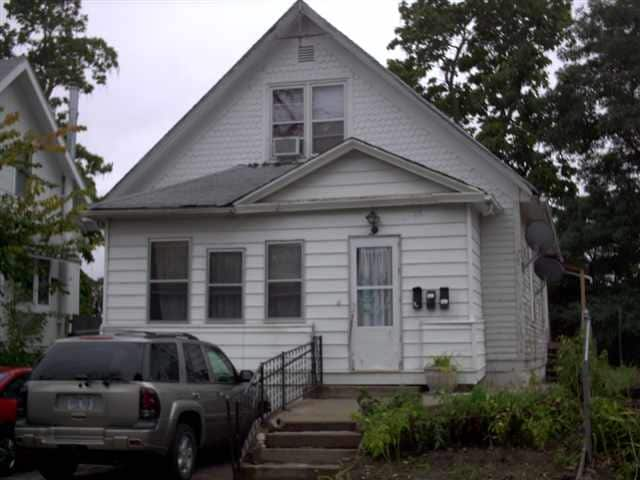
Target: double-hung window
225	285
306	120
42	284
284	280
169	281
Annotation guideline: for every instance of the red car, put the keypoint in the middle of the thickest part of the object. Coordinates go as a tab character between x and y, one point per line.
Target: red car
11	381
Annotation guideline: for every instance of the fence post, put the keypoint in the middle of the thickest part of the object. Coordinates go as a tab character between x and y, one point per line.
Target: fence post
320	360
261	407
314	369
282	381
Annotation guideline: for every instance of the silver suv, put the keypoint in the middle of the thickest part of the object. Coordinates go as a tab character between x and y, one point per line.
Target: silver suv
103	399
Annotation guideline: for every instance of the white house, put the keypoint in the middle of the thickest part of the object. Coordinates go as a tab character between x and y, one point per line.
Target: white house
309	192
20	93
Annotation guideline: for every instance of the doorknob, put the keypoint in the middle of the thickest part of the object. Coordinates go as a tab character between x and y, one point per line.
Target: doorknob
195	395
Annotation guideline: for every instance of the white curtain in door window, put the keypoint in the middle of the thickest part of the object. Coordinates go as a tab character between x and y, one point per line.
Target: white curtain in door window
375	287
374	266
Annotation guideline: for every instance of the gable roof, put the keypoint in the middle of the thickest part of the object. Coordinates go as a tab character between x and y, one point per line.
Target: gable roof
256	54
240	188
350	145
13	68
216	190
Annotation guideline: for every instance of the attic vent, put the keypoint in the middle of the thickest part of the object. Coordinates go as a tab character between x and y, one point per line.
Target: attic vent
306	53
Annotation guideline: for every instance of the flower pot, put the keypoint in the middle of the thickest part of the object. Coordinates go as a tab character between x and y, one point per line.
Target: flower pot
439	380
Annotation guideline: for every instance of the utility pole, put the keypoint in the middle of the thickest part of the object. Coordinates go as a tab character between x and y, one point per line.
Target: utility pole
587	450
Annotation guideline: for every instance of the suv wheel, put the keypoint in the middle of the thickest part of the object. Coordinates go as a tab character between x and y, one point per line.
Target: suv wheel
182	457
7	456
56	467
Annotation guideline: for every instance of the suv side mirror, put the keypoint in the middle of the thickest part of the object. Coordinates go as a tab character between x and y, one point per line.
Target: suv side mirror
245	375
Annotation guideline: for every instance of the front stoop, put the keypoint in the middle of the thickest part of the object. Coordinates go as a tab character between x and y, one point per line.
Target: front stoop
303	450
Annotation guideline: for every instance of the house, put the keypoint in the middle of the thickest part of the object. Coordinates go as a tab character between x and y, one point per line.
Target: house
20	93
310	191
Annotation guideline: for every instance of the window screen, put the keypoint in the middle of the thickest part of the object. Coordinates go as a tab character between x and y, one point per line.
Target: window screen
195	364
284	280
225	285
164	365
169	281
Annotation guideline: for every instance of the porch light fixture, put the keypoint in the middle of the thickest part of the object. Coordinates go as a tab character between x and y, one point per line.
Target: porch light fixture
374	221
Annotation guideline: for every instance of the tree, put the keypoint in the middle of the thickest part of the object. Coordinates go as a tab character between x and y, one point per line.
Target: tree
90	296
33	225
485	64
52	35
596	128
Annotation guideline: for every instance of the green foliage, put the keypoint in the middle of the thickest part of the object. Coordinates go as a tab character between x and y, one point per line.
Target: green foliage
484	63
52	35
387	424
90	295
595	128
444	363
606	381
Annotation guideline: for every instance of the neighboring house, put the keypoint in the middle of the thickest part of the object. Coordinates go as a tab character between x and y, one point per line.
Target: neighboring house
21	93
309	192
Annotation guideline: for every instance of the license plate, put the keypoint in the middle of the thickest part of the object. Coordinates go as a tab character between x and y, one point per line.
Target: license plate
80	403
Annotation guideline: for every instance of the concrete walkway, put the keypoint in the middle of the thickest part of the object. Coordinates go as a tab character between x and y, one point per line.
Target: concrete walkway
330	409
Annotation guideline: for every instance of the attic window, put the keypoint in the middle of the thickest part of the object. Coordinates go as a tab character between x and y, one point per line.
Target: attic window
306	53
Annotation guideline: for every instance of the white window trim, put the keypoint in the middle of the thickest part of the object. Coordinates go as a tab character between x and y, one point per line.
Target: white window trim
307	86
151	241
242	285
267	281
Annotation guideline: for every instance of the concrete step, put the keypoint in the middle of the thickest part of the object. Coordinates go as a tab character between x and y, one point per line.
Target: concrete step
286	471
314	456
322	439
317	426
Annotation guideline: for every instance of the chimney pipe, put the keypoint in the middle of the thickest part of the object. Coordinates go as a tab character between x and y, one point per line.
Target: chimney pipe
74	96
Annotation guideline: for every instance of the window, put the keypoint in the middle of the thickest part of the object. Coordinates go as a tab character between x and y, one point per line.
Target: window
322	105
327	117
288	117
195	364
43	272
284	280
169	281
164	365
122	360
222	368
225	285
21	182
375	286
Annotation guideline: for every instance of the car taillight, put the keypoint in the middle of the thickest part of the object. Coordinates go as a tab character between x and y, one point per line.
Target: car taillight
22	401
149	404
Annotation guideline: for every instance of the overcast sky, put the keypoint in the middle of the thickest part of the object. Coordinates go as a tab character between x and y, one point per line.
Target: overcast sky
172	51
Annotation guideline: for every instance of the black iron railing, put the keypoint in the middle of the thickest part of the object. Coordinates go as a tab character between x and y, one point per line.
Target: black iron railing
278	381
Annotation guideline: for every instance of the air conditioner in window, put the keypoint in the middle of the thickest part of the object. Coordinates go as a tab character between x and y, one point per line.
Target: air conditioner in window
287	146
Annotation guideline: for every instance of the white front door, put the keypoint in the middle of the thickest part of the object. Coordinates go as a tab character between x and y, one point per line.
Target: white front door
375	302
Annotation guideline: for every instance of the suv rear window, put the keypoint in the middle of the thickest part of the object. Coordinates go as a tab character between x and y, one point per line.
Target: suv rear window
163	364
94	360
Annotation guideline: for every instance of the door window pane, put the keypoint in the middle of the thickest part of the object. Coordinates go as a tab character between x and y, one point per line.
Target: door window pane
164	365
375	308
169	281
222	369
284	280
375	266
195	364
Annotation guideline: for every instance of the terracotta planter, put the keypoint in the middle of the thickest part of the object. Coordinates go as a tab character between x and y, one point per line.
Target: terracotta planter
440	380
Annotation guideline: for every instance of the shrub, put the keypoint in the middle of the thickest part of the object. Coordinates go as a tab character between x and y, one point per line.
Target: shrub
444	363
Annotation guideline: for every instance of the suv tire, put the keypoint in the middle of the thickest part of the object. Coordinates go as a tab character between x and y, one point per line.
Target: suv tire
7	456
183	453
57	467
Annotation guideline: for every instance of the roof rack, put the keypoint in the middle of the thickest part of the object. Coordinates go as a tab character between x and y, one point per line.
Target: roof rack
147	334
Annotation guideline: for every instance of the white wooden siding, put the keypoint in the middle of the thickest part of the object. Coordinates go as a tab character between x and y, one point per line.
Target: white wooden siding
356	175
433	254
